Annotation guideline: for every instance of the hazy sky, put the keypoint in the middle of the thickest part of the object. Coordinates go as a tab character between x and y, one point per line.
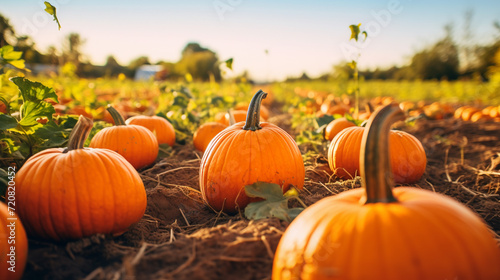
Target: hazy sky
299	35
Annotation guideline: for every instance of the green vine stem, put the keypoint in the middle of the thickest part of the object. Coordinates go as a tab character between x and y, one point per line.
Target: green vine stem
253	114
117	118
79	134
375	165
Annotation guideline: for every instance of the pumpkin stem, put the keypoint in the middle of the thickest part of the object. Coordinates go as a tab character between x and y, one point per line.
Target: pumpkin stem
231	117
253	114
117	118
375	165
79	134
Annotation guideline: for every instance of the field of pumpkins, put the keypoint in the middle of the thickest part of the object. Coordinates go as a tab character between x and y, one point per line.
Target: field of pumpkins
214	181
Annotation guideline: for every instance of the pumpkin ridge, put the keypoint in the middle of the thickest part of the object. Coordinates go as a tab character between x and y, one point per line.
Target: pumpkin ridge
286	145
52	224
82	178
105	179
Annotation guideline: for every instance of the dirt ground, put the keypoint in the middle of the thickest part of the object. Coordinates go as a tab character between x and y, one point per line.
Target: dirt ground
181	238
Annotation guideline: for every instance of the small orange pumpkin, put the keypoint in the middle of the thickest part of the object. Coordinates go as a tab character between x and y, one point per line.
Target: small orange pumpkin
205	133
13	244
336	126
135	143
246	153
375	232
408	159
77	192
161	128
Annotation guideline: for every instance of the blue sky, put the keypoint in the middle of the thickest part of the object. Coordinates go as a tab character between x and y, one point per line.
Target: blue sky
300	36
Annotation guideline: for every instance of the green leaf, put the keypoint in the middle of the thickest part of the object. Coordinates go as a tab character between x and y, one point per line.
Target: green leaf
8	53
9	56
52	11
229	63
7	122
365	33
34	91
31	111
354	31
275	204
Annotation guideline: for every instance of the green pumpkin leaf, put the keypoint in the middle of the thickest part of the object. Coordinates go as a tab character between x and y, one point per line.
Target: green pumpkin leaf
229	63
275	203
7	122
51	10
354	31
31	111
34	91
9	56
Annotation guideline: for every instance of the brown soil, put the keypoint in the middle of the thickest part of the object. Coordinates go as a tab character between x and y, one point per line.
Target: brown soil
180	237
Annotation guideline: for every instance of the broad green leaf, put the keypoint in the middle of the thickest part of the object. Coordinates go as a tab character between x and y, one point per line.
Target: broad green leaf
52	11
9	56
8	53
275	204
269	191
34	91
7	122
229	63
354	31
324	120
32	110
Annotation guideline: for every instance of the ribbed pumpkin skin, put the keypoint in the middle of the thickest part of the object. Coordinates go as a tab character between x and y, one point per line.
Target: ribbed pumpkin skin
135	143
21	245
336	126
423	236
79	193
237	157
407	155
205	133
163	129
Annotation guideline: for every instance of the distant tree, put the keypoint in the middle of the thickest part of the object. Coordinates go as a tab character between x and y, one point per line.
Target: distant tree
51	56
112	67
438	62
138	62
26	45
72	48
6	31
200	62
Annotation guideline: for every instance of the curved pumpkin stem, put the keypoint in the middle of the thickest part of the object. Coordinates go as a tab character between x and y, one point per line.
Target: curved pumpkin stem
117	118
79	134
375	165
253	114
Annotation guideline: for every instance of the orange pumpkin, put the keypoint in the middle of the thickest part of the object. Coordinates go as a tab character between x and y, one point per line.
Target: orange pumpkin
238	115
264	112
245	153
76	192
135	143
161	128
13	244
408	157
205	133
336	126
375	232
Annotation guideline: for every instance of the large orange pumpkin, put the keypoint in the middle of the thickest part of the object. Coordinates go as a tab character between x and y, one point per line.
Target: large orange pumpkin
13	244
135	143
76	192
375	232
205	133
408	159
161	128
245	153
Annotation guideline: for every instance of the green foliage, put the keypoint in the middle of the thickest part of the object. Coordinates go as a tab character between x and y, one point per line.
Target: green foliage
51	10
9	56
275	203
